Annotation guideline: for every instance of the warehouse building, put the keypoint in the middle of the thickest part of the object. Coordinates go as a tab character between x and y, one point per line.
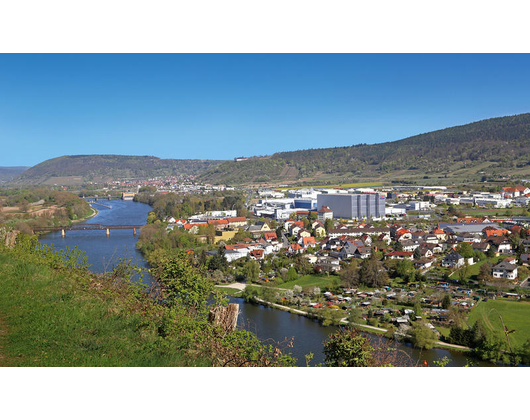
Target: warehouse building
353	206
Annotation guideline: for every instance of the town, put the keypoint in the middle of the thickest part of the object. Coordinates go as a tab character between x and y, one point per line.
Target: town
388	258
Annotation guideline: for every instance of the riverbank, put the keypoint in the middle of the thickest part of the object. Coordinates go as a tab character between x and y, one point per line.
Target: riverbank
344	321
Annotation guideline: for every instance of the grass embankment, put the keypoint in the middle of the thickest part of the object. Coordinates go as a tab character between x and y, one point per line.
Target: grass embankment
354	185
514	314
474	270
71	318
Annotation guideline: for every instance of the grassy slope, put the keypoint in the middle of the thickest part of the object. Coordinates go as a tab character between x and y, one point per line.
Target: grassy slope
514	314
310	280
62	319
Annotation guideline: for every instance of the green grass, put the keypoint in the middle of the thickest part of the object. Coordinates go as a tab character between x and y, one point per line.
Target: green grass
474	269
514	314
230	291
310	280
56	318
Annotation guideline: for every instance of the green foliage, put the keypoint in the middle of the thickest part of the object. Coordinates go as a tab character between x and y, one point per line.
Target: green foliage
348	348
182	284
251	270
60	314
218	261
422	336
372	273
465	249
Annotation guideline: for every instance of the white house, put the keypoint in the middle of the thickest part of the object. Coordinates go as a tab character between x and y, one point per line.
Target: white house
505	270
453	260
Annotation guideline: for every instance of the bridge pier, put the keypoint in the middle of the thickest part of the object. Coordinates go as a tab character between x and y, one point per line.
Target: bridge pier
134	231
108	232
63	233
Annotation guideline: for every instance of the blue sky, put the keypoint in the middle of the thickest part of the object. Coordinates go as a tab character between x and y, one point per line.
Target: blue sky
219	106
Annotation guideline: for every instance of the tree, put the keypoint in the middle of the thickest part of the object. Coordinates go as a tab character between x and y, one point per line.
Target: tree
372	273
348	348
349	275
422	336
329	224
484	274
465	249
182	284
463	273
218	261
446	301
251	270
291	275
404	268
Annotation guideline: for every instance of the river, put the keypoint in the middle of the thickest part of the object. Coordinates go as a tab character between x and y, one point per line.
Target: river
103	252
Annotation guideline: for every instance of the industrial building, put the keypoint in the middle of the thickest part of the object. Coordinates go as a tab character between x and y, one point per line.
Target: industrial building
353	206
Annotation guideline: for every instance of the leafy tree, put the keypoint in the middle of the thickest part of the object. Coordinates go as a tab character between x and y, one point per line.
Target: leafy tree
372	273
218	261
403	268
291	275
485	272
422	336
349	275
348	348
446	301
329	224
182	284
251	270
465	249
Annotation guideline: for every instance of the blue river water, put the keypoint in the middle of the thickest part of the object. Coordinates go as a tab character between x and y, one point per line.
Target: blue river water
271	325
104	252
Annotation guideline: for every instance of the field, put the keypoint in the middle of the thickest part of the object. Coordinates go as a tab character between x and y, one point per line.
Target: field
514	314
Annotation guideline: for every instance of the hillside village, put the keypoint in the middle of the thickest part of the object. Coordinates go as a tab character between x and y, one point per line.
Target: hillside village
426	245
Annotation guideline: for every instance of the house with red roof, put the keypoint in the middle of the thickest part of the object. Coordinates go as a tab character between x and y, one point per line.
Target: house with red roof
307	242
295	249
270	236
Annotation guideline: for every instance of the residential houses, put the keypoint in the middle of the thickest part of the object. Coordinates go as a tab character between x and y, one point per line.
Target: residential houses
350	240
505	270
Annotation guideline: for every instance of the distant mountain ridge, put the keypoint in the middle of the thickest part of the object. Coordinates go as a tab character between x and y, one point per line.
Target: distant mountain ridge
492	149
470	152
77	169
7	173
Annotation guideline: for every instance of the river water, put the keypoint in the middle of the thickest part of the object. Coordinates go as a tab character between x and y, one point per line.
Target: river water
103	252
271	325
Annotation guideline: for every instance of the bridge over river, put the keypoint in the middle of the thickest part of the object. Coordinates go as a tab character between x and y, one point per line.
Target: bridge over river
106	228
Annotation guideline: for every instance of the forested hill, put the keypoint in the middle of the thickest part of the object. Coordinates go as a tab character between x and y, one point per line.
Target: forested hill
490	148
485	150
9	172
100	168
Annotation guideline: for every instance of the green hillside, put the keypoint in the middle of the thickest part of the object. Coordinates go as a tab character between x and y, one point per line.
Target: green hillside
485	150
482	150
100	168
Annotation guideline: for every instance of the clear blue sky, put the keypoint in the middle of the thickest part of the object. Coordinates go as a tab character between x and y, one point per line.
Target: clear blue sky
221	106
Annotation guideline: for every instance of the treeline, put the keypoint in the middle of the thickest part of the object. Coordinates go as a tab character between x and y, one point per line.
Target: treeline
40	207
182	206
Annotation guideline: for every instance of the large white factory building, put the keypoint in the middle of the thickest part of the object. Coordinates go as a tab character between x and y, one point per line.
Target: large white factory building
353	206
